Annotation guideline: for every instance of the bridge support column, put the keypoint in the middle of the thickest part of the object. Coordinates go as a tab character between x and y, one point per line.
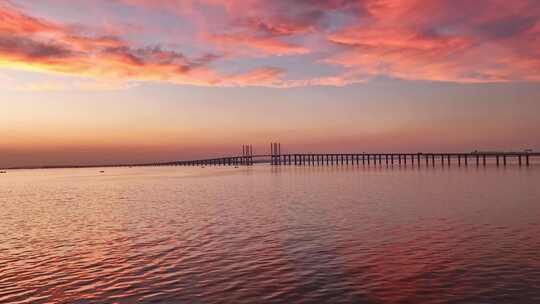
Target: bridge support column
527	160
519	159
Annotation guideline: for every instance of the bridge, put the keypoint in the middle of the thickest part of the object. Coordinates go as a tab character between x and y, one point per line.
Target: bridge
276	158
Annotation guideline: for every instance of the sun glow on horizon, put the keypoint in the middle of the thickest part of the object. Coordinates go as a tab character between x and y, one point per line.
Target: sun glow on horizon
102	81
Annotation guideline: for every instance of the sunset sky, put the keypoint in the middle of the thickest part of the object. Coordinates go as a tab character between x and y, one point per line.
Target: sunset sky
106	81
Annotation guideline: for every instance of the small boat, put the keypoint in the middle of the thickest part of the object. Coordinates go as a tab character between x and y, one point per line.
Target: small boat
101	171
3	172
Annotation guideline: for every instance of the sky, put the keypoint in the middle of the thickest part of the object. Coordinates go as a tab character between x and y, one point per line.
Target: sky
116	81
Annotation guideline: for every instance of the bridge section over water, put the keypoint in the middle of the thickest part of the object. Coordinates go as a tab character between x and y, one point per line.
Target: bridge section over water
276	158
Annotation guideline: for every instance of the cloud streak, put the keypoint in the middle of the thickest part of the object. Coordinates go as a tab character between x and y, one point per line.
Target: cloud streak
421	40
51	47
245	43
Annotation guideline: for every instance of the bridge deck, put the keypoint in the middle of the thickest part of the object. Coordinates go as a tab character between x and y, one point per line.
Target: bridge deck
360	158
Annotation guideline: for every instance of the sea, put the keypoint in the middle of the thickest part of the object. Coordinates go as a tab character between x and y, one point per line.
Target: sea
271	234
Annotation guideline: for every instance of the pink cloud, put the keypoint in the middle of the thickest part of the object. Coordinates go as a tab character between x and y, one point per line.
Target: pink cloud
443	40
51	47
429	40
265	45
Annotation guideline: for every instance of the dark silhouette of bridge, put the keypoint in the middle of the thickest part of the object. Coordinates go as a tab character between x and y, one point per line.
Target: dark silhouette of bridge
276	158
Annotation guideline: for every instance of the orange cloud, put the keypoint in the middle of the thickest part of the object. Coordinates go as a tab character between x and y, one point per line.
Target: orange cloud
46	46
442	40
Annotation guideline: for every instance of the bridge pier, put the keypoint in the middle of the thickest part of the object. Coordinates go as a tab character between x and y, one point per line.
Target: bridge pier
247	158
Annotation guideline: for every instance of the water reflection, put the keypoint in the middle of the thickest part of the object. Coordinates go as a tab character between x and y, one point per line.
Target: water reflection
279	235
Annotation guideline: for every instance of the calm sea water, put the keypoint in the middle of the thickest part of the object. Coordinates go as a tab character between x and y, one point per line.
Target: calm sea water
270	235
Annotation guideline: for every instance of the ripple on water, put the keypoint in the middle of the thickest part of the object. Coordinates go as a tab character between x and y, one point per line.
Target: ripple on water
294	235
